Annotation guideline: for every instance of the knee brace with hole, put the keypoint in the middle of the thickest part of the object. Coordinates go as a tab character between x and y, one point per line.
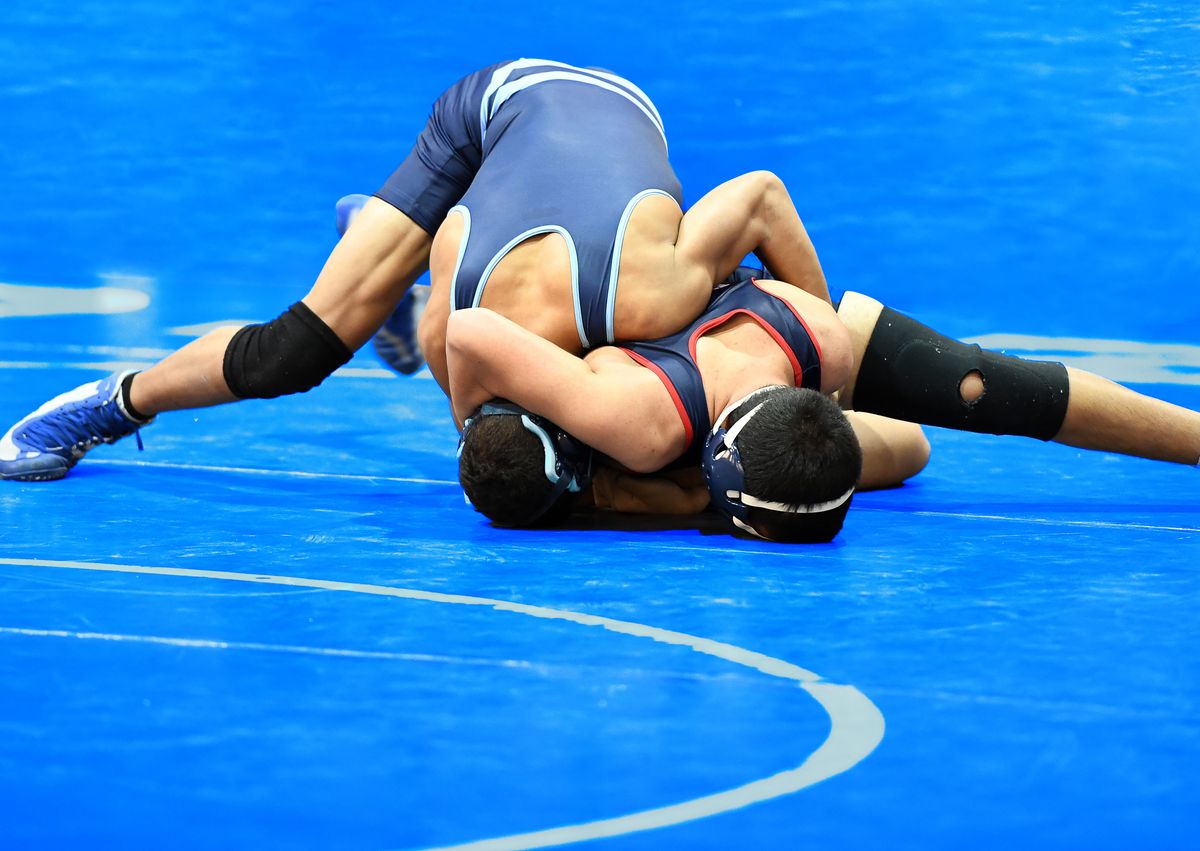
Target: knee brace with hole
911	372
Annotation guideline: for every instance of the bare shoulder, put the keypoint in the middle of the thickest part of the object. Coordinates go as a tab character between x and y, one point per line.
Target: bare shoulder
826	328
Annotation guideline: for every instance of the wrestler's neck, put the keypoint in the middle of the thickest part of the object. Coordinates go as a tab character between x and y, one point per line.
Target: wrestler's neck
736	360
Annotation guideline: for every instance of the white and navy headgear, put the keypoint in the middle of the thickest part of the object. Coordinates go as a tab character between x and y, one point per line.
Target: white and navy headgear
568	462
726	480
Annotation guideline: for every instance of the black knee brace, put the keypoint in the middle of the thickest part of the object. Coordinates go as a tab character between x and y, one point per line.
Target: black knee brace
911	372
291	354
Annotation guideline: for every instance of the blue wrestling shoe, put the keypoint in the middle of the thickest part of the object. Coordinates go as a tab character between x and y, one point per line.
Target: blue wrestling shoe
396	342
347	208
49	442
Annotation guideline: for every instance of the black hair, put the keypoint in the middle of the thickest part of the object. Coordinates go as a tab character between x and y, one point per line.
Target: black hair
800	450
502	469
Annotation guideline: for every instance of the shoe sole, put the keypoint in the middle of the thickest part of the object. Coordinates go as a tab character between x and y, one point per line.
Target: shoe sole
36	474
49	476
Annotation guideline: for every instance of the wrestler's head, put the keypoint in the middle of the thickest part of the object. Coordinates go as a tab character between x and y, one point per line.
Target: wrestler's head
519	469
782	464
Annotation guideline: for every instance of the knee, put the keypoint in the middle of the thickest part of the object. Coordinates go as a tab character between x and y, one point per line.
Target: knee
971	388
766	181
290	354
766	185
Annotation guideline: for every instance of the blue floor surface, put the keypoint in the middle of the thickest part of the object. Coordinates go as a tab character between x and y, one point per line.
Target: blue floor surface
182	661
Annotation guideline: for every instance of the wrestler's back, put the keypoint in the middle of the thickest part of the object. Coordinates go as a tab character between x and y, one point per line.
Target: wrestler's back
569	155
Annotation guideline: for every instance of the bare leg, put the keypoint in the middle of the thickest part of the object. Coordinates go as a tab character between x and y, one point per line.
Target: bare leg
1106	416
859	313
367	273
749	213
1101	414
192	377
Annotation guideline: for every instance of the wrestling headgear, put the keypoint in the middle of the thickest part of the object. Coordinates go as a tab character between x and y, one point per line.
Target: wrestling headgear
723	473
567	462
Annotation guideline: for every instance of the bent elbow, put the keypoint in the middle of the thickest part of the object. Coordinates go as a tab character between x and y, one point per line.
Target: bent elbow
917	453
639	462
460	333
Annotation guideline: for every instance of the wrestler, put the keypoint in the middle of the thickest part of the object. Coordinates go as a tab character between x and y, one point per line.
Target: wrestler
737	394
537	189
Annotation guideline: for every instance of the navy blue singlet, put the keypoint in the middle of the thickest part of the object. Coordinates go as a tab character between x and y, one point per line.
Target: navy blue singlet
673	358
531	147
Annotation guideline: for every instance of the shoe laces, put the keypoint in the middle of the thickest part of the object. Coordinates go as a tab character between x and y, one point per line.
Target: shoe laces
80	427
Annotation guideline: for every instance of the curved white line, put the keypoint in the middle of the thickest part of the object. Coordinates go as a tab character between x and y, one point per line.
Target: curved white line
857	729
857	725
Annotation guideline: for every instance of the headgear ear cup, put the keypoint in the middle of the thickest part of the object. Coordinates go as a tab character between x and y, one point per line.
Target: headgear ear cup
725	477
567	462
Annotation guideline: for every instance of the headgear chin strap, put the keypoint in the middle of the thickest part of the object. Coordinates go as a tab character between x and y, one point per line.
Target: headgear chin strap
568	463
727	481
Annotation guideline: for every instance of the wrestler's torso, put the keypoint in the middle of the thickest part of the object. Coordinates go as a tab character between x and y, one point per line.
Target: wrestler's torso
572	194
749	333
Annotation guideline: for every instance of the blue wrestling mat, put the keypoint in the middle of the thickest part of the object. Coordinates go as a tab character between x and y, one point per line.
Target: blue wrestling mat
279	626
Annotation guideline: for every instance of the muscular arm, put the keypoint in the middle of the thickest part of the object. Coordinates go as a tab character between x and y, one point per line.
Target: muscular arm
620	410
363	279
751	213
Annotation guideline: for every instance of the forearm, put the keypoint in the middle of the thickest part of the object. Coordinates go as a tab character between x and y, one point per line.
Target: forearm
752	213
785	246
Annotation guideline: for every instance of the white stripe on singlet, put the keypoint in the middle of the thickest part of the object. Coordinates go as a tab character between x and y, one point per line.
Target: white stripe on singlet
513	243
462	250
502	90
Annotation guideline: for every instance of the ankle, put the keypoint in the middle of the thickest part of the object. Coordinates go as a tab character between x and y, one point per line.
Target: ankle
126	401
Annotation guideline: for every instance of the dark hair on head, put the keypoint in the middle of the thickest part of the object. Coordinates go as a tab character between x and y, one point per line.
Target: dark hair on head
799	449
502	469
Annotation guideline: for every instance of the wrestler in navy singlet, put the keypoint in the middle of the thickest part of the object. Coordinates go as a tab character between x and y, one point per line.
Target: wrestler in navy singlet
531	147
673	358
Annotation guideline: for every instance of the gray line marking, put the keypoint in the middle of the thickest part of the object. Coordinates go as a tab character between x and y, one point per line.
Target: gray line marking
131	361
856	724
295	649
779	552
541	668
1040	521
257	471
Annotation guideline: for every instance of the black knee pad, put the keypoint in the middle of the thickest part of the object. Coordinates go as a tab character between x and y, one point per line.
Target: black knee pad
911	372
291	354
